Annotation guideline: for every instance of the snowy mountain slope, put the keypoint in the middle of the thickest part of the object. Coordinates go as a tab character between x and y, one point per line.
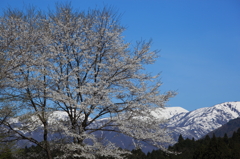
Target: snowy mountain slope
126	142
197	123
229	128
191	124
168	112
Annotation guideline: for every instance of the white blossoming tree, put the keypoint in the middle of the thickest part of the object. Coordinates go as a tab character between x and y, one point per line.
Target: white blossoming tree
78	63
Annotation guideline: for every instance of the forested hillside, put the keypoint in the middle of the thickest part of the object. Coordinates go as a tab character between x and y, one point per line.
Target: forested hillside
227	128
207	148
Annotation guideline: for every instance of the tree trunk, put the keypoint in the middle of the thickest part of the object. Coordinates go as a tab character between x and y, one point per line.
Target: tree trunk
47	148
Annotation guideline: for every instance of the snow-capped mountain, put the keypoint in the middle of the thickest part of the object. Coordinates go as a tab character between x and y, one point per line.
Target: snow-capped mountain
191	124
127	142
197	123
168	112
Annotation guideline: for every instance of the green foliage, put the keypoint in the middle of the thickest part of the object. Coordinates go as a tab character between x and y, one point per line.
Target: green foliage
5	153
207	148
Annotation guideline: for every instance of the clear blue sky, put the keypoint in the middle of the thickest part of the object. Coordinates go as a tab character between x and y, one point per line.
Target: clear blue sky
199	42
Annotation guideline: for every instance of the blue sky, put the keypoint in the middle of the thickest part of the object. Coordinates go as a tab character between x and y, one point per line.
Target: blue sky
199	42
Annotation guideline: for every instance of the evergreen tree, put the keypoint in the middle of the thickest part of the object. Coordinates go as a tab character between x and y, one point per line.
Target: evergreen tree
180	138
137	154
225	138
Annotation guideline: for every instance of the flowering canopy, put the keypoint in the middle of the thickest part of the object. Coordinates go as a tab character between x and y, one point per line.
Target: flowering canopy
78	63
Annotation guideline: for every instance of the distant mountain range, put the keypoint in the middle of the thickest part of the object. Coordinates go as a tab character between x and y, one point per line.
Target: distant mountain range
195	124
191	124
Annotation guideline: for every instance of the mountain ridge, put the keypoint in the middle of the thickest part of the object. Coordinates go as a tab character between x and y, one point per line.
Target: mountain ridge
229	128
167	112
191	124
195	124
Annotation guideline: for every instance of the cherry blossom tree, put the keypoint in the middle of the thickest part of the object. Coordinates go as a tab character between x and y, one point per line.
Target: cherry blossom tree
78	63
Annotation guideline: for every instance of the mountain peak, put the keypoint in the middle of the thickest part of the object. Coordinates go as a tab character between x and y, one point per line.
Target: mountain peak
168	112
201	121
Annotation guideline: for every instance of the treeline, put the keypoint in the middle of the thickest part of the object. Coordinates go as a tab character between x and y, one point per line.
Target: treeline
206	148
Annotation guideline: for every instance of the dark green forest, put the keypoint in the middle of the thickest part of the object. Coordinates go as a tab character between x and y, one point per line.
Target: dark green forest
206	148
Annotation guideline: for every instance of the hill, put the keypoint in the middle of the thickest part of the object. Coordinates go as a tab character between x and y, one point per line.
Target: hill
228	128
